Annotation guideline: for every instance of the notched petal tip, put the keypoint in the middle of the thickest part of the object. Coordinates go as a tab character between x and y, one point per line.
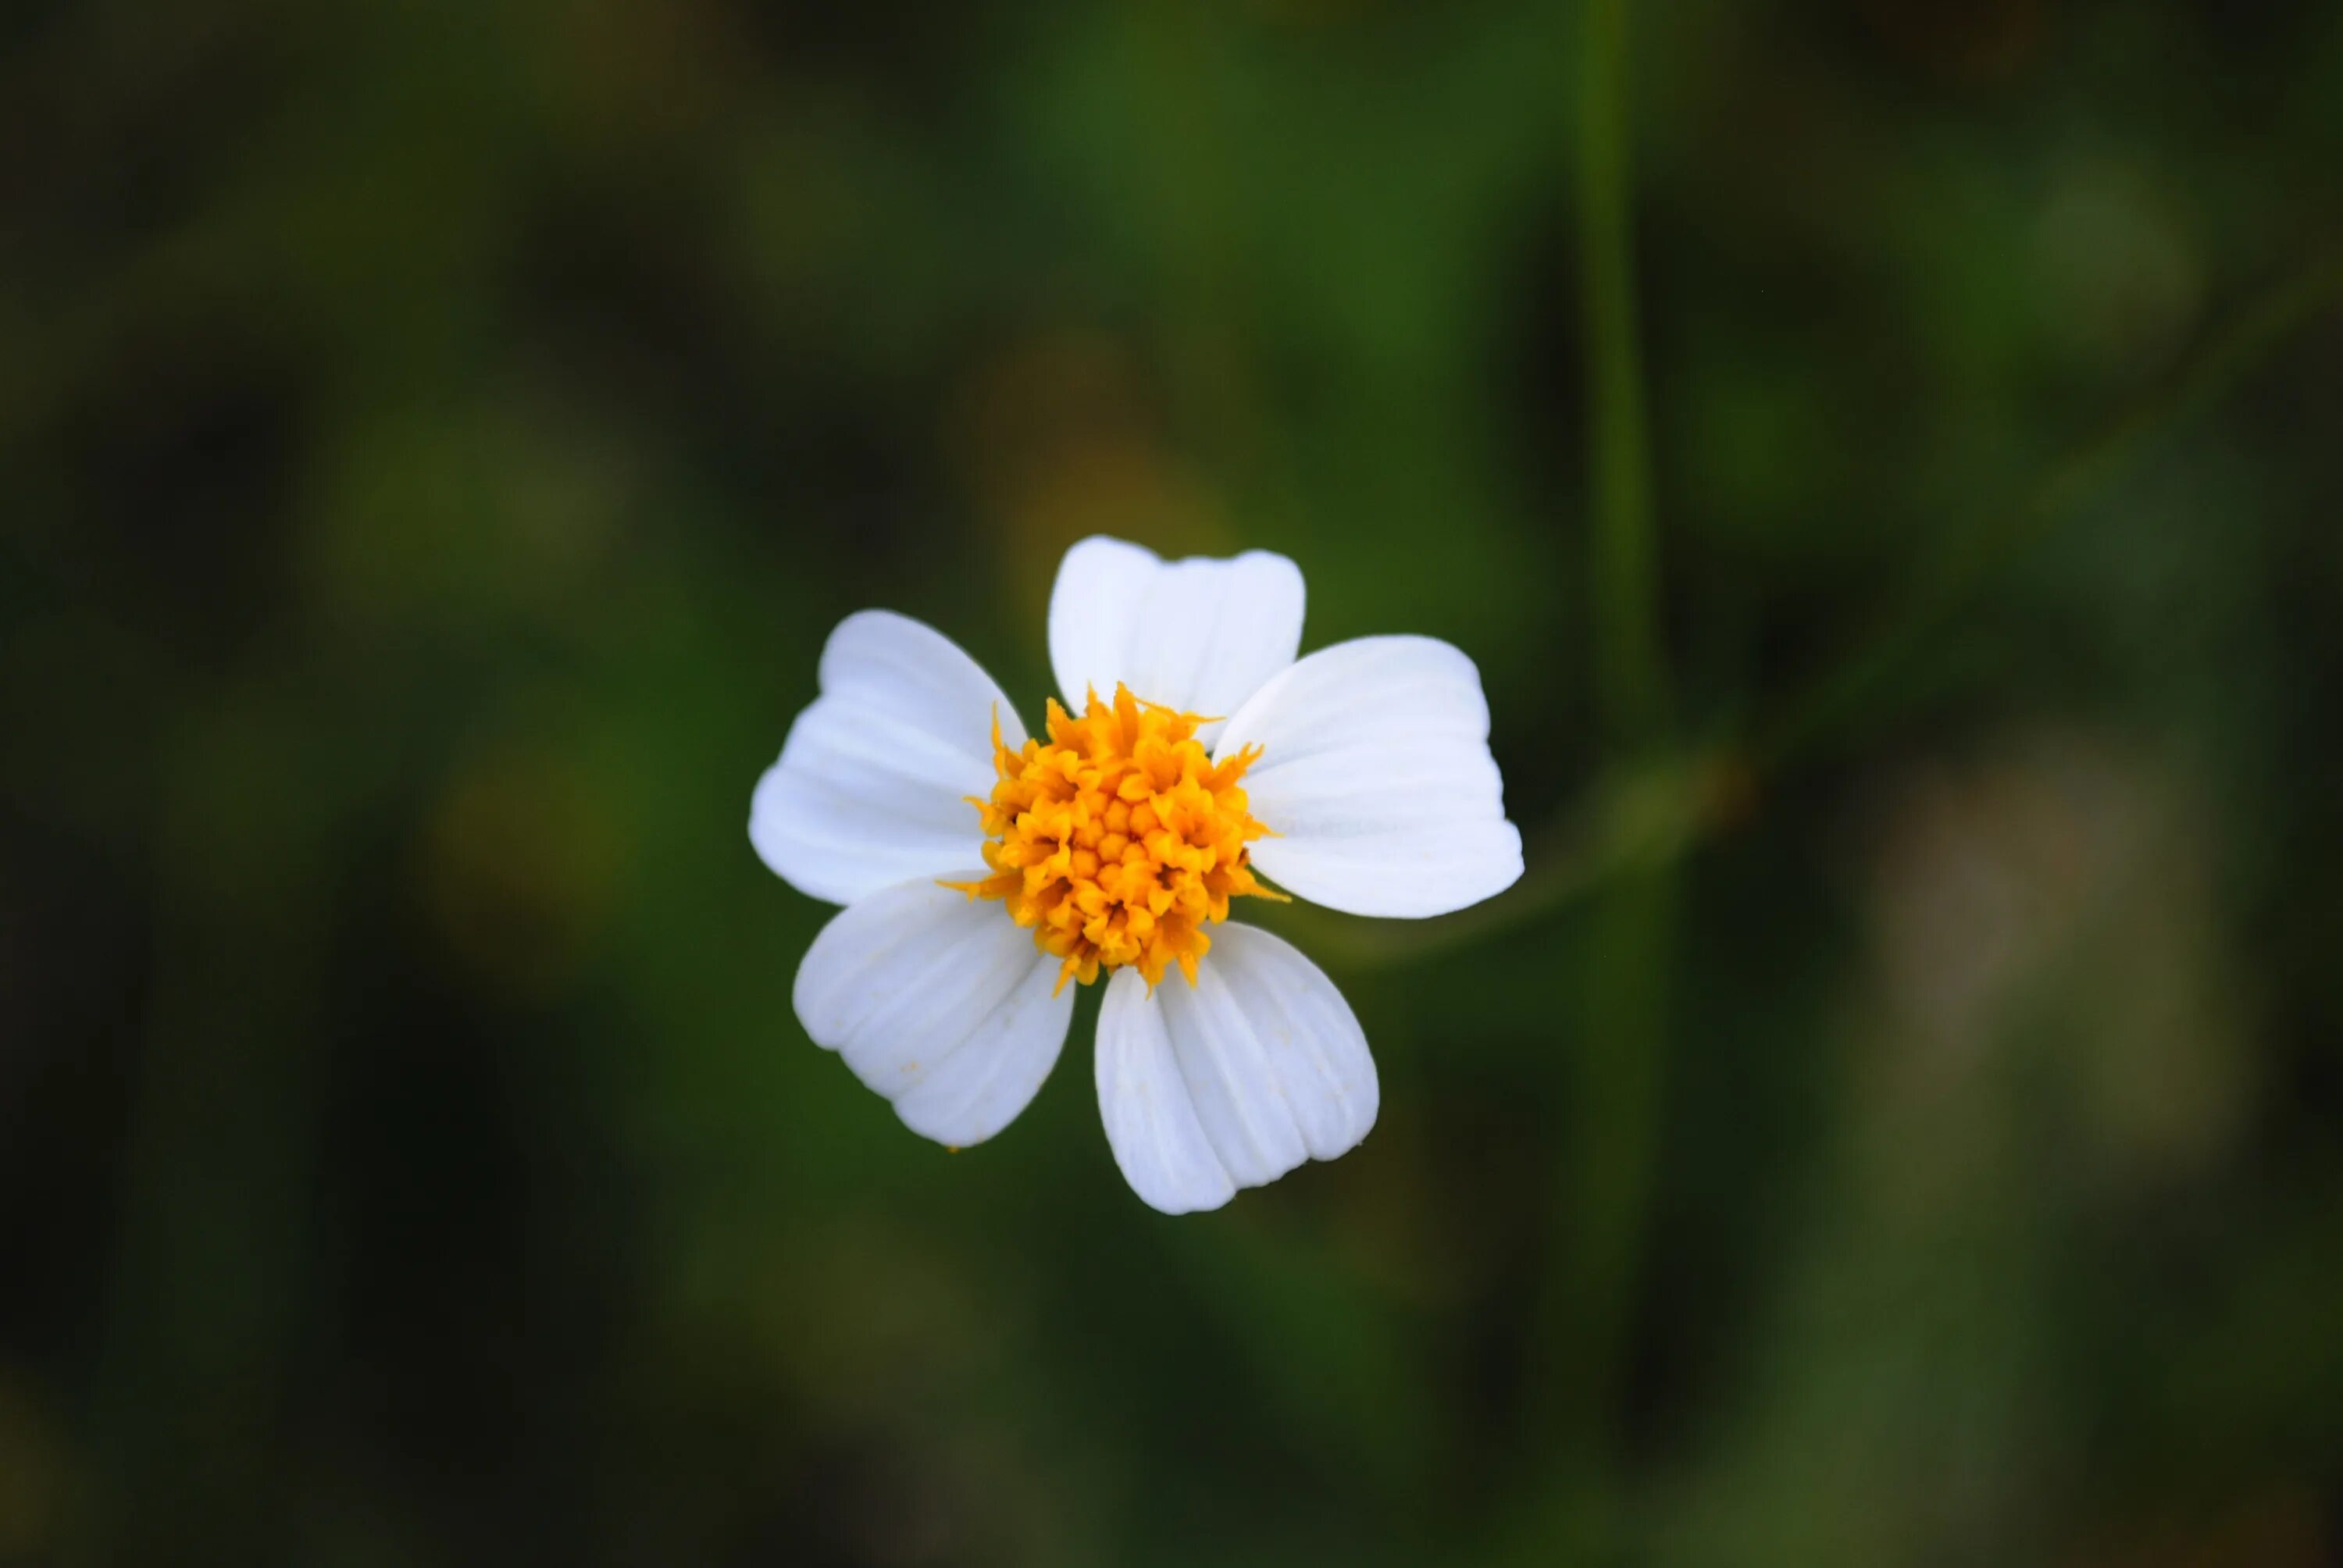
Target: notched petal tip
1199	635
941	1008
1233	1081
867	789
1377	777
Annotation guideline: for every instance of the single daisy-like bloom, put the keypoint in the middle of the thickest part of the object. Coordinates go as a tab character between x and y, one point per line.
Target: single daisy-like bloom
986	874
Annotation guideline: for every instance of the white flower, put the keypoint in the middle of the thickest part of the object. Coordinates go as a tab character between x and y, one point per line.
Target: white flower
981	870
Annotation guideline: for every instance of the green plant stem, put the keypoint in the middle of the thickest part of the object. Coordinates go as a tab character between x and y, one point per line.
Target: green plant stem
213	1248
1675	803
1619	1059
1630	685
1851	688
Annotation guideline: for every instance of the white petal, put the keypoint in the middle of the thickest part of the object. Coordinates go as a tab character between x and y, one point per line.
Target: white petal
1376	779
1150	1122
1198	634
873	782
1235	1080
940	1003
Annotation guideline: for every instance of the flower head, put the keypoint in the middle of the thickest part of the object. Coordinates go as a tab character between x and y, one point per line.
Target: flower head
1120	840
986	873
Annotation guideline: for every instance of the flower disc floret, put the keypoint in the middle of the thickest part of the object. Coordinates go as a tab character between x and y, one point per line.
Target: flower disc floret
1120	840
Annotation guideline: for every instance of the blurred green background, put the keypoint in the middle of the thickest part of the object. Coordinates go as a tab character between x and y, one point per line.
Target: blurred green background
1895	1122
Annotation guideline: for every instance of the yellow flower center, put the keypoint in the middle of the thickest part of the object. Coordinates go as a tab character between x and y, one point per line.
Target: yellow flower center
1120	840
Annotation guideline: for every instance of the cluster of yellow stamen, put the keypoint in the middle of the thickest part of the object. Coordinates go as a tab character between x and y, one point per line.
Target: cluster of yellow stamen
1120	840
